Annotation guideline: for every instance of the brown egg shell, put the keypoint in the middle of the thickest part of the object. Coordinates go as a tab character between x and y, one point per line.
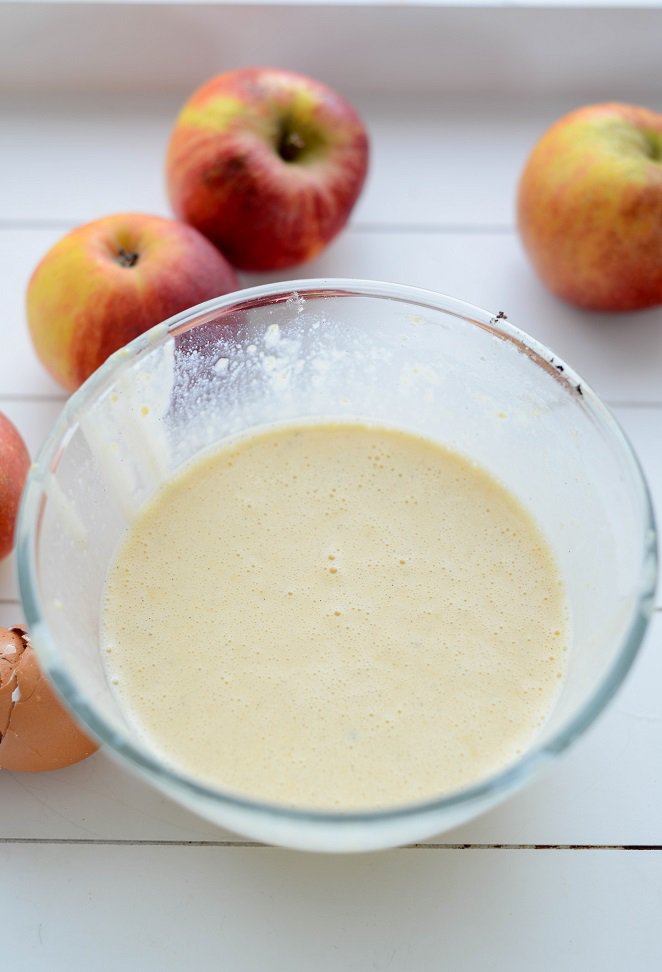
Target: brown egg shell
36	732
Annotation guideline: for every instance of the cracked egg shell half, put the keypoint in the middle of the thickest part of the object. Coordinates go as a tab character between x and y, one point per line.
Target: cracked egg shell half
36	732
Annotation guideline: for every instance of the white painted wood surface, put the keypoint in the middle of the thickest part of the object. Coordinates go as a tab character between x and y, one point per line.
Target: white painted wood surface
253	909
524	49
83	880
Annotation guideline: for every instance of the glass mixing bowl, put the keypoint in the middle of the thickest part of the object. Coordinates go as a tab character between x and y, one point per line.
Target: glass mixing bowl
338	349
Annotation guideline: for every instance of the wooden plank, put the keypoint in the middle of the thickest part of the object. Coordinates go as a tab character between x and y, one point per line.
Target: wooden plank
437	160
250	909
377	45
619	355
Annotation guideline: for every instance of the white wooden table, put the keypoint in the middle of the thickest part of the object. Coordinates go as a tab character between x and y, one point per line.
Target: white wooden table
97	870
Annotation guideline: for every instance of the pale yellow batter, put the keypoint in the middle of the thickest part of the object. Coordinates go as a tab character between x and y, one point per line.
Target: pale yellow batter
335	616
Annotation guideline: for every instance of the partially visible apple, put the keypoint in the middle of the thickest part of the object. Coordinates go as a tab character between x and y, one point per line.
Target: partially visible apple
106	282
268	164
14	465
590	207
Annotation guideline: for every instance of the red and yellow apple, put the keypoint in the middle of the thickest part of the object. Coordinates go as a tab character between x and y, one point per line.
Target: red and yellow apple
590	207
106	282
267	164
14	465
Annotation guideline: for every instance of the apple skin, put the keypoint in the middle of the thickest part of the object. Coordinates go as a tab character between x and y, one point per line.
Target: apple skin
106	282
590	207
14	465
267	164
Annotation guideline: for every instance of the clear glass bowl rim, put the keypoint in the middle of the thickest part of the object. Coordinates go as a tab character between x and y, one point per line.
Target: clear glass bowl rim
142	761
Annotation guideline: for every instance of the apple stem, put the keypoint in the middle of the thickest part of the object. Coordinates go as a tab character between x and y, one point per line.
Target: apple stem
291	145
126	258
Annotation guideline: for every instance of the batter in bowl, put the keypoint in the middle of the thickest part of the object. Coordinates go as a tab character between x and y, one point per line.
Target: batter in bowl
336	616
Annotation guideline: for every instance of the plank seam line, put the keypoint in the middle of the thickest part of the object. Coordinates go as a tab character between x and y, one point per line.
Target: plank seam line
427	228
117	842
359	227
615	403
543	847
